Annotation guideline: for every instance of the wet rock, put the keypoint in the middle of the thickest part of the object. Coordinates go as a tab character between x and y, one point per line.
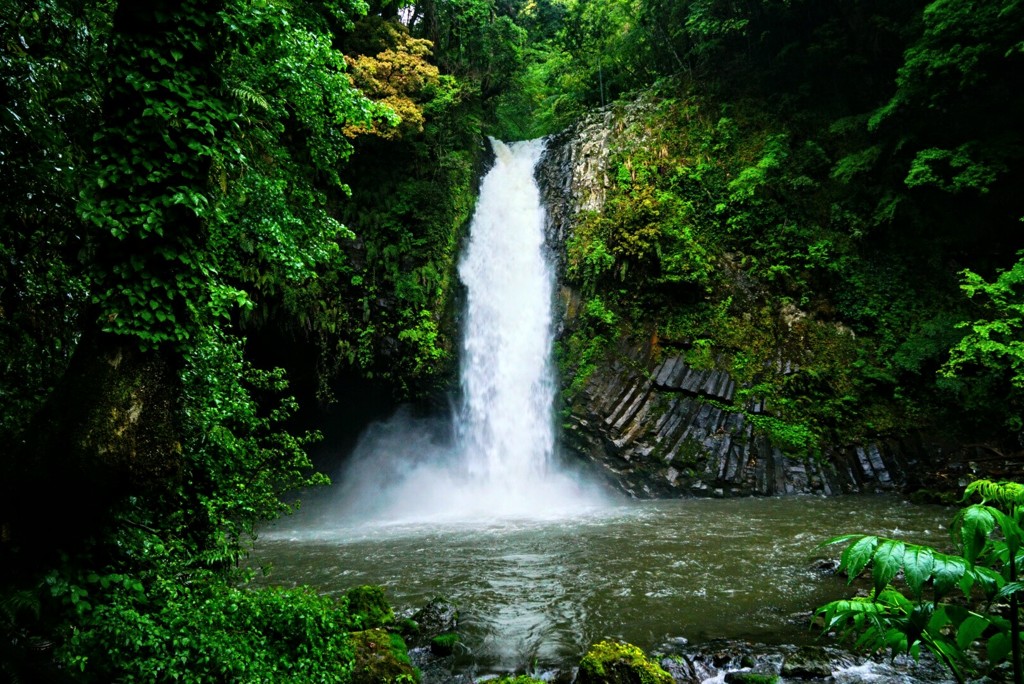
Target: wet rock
826	566
437	618
721	659
752	662
680	669
432	634
807	663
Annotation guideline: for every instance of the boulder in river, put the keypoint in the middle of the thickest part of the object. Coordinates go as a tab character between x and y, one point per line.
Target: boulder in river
380	658
611	662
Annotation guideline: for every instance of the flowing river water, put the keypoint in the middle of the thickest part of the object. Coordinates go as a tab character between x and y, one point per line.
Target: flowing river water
540	563
539	592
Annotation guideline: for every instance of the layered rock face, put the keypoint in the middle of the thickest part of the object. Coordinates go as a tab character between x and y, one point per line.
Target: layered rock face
662	428
652	423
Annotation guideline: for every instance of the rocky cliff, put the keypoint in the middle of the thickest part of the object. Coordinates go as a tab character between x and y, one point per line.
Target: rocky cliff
655	424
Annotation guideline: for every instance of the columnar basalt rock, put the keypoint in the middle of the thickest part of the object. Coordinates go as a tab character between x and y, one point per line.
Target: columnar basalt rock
662	428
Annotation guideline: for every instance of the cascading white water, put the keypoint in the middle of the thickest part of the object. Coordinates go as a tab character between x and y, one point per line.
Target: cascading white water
499	464
506	422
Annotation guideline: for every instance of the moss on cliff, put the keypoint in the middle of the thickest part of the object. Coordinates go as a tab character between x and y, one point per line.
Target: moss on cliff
721	236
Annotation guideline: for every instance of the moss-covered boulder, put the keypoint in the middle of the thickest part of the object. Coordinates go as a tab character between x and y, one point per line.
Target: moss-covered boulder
610	662
368	606
750	678
444	644
516	679
381	658
808	662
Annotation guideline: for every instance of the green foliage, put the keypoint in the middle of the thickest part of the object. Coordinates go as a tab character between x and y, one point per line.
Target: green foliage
173	171
209	632
610	662
370	606
51	95
986	567
238	460
214	204
793	438
780	204
381	306
994	344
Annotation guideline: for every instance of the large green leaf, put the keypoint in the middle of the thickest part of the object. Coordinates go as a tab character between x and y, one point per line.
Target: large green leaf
975	524
998	647
1008	494
887	562
917	567
988	579
841	539
970	630
948	571
1012	533
1010	588
950	654
857	555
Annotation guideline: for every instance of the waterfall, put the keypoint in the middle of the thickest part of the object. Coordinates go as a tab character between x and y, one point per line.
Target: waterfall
505	426
496	460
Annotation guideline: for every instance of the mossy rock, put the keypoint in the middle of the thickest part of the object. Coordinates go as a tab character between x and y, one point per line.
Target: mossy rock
368	606
435	619
929	496
750	678
808	662
610	662
444	644
380	658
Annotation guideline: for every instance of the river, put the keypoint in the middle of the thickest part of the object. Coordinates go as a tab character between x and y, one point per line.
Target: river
538	593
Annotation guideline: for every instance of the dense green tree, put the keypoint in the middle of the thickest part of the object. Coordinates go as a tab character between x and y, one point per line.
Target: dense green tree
203	142
51	107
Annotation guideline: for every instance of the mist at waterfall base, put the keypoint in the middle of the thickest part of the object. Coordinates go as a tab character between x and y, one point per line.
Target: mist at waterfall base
494	459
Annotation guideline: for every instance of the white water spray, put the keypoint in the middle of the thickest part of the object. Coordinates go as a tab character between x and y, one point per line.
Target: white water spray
499	464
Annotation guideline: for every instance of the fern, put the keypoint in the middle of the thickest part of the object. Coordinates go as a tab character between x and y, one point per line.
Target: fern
1006	494
246	94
